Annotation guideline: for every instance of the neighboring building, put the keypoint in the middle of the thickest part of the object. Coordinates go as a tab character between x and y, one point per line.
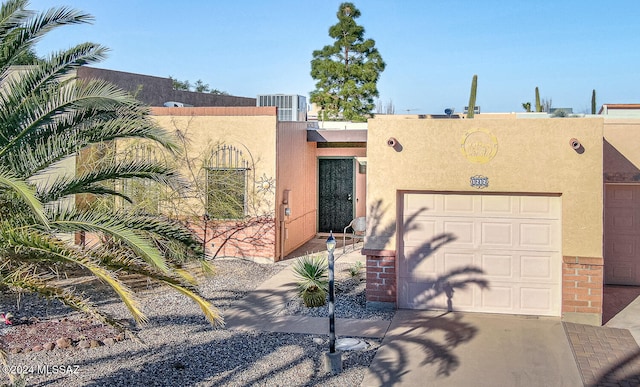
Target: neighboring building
158	91
621	193
627	110
290	107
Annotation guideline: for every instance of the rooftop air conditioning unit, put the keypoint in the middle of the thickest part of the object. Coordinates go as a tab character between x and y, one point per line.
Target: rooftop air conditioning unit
476	109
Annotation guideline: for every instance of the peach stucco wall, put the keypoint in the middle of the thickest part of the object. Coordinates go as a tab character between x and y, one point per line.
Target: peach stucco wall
297	176
532	156
252	131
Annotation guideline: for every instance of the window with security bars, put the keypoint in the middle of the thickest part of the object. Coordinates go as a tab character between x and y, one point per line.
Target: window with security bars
226	184
143	193
226	193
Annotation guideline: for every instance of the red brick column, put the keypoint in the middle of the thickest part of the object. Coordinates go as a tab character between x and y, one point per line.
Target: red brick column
582	283
381	276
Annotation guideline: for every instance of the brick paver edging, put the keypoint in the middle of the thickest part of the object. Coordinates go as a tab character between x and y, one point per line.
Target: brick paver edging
605	356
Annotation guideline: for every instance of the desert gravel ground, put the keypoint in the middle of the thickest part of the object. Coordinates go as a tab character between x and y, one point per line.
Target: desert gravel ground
180	348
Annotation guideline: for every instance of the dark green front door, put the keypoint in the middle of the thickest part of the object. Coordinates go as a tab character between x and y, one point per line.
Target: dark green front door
335	194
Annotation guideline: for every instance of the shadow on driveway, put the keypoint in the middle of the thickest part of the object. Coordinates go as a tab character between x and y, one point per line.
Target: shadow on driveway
473	349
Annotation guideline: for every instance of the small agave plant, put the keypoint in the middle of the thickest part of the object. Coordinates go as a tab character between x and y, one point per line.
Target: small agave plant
313	283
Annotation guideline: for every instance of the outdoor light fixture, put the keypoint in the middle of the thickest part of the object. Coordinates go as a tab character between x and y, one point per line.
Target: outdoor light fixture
331	243
333	360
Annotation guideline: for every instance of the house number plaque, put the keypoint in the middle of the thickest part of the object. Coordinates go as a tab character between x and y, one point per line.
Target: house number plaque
479	182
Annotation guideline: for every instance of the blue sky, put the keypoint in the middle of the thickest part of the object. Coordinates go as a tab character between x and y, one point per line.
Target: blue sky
432	48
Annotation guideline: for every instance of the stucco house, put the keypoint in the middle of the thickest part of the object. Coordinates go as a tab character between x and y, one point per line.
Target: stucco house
261	183
298	180
503	213
520	213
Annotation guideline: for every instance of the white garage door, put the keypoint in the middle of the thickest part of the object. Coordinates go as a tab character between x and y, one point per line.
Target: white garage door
453	244
622	235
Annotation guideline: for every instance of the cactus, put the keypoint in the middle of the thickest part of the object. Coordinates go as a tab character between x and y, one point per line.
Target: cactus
593	101
472	97
538	105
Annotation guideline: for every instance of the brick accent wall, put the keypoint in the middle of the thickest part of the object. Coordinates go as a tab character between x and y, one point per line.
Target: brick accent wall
381	275
582	283
251	238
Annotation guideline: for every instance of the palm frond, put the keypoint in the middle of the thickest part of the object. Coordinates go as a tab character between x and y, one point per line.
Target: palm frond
88	182
113	226
20	28
165	228
28	243
210	312
27	278
26	193
48	117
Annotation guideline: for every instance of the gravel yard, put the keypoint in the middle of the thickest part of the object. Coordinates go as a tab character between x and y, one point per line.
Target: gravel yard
179	347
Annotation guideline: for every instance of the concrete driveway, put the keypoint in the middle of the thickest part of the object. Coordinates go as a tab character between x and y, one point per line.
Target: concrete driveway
427	348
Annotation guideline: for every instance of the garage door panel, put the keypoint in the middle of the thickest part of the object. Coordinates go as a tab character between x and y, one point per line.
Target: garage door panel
496	205
539	206
418	263
537	300
622	221
497	266
538	236
418	296
416	204
420	232
511	242
454	262
463	233
497	234
497	298
427	295
538	268
623	246
458	204
622	273
622	196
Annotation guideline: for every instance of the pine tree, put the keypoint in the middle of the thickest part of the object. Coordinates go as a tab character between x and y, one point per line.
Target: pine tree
538	104
347	71
593	101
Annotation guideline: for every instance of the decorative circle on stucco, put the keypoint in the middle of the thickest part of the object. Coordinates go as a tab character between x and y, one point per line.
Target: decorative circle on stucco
479	145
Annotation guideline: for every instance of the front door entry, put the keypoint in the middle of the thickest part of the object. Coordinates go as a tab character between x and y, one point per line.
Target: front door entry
335	194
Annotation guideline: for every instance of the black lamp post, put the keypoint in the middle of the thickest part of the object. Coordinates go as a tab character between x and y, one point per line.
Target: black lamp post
331	246
332	359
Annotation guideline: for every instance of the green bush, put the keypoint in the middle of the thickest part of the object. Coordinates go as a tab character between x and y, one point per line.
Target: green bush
354	270
313	283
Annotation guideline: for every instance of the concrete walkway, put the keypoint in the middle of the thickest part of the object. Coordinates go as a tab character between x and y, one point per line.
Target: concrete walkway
628	318
259	310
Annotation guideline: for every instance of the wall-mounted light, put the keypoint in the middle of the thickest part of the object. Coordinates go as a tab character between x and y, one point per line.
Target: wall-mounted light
576	145
394	143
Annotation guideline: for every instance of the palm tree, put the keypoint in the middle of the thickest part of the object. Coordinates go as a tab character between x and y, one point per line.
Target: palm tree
46	118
